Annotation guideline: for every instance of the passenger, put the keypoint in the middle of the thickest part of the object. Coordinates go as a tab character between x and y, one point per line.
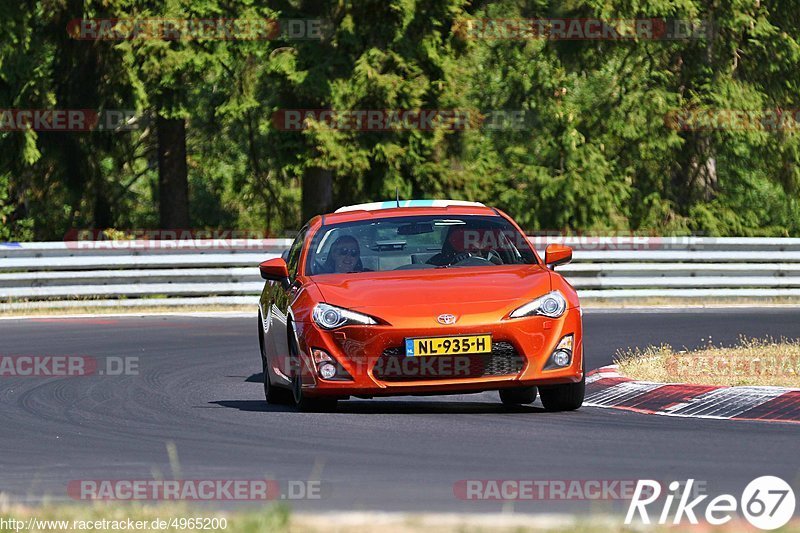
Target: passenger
344	256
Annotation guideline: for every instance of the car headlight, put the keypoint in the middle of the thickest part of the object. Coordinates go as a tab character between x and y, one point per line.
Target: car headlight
332	317
551	305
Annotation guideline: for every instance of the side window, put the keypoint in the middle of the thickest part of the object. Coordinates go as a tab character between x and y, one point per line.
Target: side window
293	258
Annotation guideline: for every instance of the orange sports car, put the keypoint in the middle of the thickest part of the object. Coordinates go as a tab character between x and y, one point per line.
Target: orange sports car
418	297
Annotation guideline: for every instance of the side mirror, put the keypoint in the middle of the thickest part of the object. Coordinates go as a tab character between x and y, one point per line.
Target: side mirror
557	254
274	269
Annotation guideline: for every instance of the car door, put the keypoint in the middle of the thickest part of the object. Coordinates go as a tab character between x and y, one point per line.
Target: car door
280	298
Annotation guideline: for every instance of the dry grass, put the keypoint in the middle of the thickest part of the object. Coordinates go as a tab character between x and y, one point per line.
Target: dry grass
750	361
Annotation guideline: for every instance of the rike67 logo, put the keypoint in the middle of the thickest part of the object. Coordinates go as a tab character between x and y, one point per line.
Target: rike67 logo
767	502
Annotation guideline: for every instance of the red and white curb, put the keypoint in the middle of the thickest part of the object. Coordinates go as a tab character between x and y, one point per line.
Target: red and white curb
606	387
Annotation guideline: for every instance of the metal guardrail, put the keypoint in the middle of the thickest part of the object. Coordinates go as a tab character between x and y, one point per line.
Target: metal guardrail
131	273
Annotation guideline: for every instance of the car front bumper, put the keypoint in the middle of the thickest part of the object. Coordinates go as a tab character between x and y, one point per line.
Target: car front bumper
373	356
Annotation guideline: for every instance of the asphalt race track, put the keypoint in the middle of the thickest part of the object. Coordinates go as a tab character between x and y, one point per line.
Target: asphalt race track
199	388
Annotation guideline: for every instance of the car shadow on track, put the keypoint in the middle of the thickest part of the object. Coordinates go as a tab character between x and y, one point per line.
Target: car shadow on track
379	407
402	406
397	405
253	406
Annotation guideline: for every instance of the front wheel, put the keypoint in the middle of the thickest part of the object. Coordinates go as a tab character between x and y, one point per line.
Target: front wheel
311	405
301	400
566	397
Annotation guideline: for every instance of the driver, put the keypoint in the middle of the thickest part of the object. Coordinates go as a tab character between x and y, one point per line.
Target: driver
344	256
462	244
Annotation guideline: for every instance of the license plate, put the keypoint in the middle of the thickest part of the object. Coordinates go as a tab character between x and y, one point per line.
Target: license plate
464	344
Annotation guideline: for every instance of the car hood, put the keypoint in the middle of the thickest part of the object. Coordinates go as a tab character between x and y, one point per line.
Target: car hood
461	290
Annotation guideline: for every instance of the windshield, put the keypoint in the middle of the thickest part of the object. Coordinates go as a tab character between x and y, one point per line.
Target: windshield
418	242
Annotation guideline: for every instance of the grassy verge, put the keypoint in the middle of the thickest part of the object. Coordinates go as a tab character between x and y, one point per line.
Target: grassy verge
278	519
766	362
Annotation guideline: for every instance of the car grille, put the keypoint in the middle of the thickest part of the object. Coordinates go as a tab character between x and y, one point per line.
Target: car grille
393	365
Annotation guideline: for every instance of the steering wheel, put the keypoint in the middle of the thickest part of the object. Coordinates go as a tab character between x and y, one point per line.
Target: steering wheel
468	259
493	257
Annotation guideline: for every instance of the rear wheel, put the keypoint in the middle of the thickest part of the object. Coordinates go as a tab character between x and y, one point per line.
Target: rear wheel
518	396
301	400
273	395
566	397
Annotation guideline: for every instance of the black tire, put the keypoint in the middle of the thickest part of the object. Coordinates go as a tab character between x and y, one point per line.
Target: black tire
518	396
300	399
276	395
311	405
272	394
567	397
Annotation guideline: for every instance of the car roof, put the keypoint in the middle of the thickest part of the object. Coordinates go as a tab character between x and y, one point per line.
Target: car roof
460	208
393	204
